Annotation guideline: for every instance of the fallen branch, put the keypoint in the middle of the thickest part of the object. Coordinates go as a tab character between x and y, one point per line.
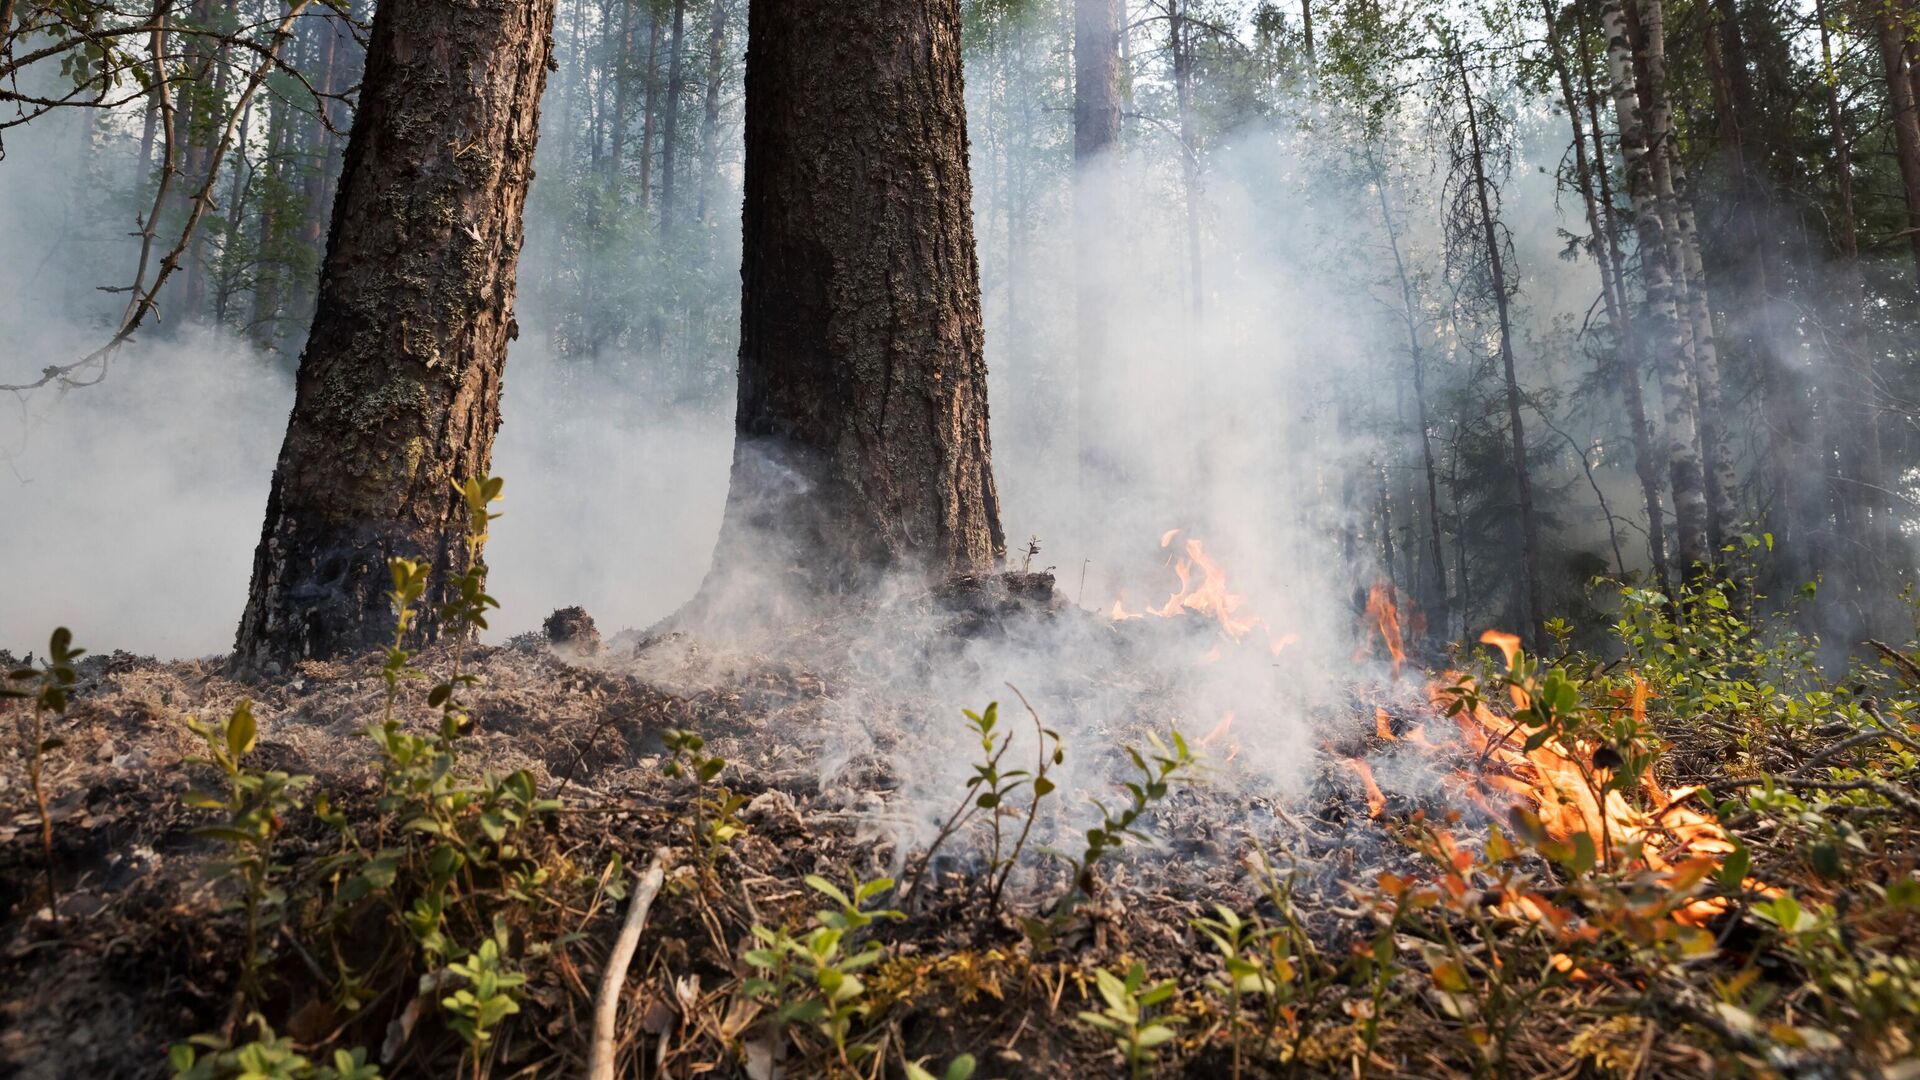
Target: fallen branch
606	1005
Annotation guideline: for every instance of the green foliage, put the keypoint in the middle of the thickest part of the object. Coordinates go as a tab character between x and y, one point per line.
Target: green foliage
265	1057
812	978
1155	771
1127	1016
988	791
713	814
960	1068
55	678
253	806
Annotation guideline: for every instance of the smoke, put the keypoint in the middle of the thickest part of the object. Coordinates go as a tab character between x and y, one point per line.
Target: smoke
1232	394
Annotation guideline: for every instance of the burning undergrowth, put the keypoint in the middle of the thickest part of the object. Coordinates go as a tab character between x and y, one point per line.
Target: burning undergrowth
1342	865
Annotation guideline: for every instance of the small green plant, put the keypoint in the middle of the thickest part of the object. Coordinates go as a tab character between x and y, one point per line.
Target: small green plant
1156	771
254	804
56	676
713	820
960	1068
813	978
267	1056
1240	945
479	1006
1126	1017
988	791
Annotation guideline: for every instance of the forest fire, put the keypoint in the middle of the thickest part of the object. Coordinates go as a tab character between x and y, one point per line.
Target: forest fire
1502	764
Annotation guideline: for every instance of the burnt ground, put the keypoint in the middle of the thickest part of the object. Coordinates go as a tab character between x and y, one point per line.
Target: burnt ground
144	952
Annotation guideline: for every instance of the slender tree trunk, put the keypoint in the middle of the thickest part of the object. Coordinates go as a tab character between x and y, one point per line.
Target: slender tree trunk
1530	598
650	106
1180	43
399	388
710	113
269	268
1096	123
1591	172
1868	518
1435	602
1903	108
1661	326
670	127
1688	278
862	425
622	72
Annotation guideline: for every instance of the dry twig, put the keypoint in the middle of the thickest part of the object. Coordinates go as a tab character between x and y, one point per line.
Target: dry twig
606	1005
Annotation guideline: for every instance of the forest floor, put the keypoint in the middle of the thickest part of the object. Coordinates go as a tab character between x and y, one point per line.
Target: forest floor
1406	936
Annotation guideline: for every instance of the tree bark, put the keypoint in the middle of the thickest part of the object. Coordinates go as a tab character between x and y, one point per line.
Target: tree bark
862	441
399	388
1662	331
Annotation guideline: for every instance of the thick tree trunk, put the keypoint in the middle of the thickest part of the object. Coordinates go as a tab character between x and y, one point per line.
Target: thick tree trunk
862	425
1662	330
399	388
1096	123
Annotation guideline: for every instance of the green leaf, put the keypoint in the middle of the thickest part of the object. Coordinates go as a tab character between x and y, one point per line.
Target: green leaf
241	730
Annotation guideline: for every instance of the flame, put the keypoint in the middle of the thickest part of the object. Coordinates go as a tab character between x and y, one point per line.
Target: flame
1219	730
1385	616
1383	724
1559	781
1376	799
1206	593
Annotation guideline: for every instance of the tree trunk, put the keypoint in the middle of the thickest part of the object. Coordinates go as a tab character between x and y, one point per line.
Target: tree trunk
1096	123
399	388
1596	196
1530	598
622	72
670	127
1688	278
862	423
710	114
1662	331
651	107
1904	111
1434	602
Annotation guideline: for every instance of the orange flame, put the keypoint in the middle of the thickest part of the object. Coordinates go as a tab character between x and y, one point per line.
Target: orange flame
1376	799
1385	615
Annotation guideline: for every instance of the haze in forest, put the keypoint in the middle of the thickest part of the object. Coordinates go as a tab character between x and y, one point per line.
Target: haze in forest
1271	412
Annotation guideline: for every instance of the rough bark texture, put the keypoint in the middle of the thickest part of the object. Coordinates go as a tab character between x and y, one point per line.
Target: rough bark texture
1661	327
862	424
399	388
